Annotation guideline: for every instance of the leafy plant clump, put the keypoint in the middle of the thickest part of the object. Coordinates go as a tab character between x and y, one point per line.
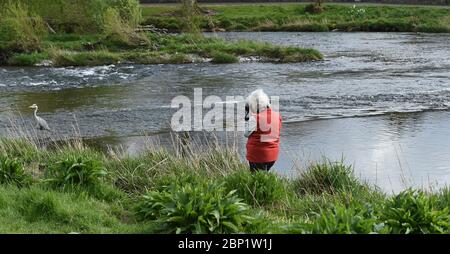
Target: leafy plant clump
259	188
341	219
412	212
76	171
195	208
12	172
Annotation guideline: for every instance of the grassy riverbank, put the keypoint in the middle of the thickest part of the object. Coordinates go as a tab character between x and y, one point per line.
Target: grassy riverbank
88	50
72	188
297	17
94	32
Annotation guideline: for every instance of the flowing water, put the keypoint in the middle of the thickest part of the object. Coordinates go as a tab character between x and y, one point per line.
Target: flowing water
379	100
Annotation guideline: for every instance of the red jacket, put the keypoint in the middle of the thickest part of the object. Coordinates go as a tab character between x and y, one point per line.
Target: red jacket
263	144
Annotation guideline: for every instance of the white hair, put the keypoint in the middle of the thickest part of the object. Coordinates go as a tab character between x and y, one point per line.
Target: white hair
258	101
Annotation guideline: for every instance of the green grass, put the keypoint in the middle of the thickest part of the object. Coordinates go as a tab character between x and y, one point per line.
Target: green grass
95	32
39	210
93	50
195	190
294	17
221	57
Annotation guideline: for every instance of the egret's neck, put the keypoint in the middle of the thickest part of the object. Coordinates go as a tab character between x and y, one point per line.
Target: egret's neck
35	112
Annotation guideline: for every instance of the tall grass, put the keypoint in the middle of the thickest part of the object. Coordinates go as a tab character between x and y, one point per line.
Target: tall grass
193	187
327	177
12	172
190	15
129	10
81	15
260	188
121	32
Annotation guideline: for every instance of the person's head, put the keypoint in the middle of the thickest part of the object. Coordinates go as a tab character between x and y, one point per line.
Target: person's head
258	101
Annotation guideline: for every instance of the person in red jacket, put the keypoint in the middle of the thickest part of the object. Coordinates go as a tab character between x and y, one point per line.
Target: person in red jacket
263	126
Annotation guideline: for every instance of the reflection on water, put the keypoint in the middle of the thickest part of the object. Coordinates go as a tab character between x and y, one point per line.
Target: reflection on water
393	151
387	76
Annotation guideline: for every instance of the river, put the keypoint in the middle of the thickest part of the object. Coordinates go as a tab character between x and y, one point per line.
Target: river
378	100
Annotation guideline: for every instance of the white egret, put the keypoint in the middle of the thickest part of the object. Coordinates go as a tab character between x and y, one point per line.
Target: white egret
42	124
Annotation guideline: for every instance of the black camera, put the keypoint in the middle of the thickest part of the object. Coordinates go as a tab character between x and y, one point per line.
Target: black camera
247	112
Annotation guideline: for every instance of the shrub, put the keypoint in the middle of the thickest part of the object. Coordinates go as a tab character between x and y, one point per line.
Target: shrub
339	219
75	171
120	32
12	172
328	177
259	188
190	12
21	30
83	15
413	212
221	57
129	10
195	208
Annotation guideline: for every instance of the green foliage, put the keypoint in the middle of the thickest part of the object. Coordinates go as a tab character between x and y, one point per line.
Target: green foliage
129	10
354	219
197	191
328	177
139	174
314	8
12	172
21	149
221	57
69	15
357	13
26	59
83	15
310	17
189	10
339	219
75	171
40	210
120	32
195	208
412	212
259	188
86	58
21	30
442	198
